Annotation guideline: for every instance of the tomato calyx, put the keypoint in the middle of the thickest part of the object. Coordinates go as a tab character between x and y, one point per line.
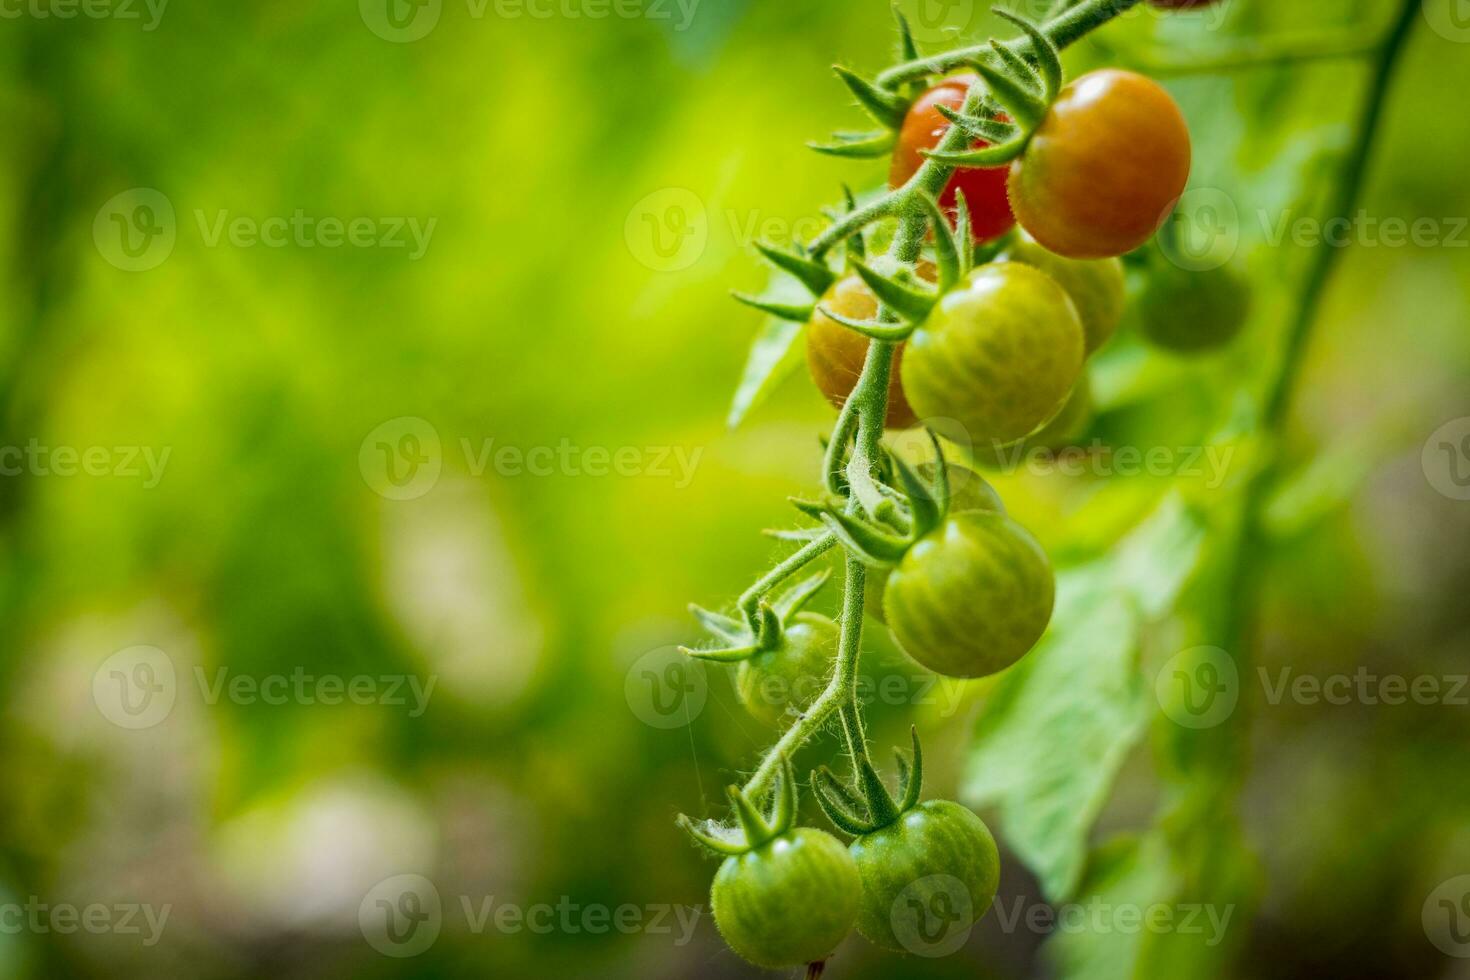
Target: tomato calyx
868	806
1025	91
901	291
754	829
738	640
884	538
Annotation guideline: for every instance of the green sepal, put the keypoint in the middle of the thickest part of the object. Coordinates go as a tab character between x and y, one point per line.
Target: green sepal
856	246
814	275
1017	68
757	831
989	129
869	544
985	158
858	145
942	492
722	626
785	311
769	630
1019	94
721	847
876	329
783	812
925	512
840	806
880	804
946	251
910	775
907	49
794	599
907	301
886	107
1048	57
724	655
963	237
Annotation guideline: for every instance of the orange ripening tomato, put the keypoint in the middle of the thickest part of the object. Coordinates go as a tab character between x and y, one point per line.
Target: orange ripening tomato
1105	167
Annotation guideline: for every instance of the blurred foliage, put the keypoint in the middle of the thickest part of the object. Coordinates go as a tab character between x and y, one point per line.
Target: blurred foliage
535	318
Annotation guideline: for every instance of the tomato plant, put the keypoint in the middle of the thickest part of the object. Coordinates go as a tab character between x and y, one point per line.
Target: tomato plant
961	319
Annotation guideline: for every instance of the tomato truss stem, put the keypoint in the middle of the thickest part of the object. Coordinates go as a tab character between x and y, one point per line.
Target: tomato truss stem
862	416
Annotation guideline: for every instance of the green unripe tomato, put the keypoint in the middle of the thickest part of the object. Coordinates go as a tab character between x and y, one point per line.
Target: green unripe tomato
971	597
998	354
790	901
937	859
1096	286
1061	431
791	675
1192	311
968	491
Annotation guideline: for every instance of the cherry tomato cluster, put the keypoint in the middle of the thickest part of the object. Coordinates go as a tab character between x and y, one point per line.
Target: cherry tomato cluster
988	327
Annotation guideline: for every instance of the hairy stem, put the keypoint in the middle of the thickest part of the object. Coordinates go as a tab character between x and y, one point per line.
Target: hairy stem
750	600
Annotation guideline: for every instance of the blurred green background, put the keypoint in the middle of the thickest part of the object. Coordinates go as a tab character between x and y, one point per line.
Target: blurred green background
456	435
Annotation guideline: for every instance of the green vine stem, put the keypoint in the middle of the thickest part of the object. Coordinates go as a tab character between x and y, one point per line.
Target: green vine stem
869	398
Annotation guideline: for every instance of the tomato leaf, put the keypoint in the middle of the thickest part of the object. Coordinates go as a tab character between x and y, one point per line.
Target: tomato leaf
773	356
1059	726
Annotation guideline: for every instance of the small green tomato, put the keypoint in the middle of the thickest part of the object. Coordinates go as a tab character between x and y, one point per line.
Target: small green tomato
930	873
784	896
774	682
971	597
999	354
968	491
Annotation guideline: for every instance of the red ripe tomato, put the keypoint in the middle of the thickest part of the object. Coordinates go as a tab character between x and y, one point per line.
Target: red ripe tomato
1105	167
985	190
